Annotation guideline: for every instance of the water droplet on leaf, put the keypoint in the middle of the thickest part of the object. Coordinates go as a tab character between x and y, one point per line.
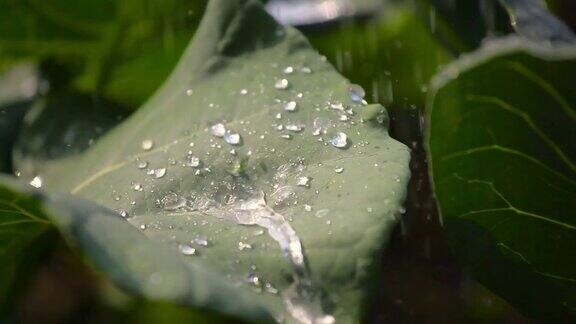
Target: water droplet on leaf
172	201
232	138
147	145
356	93
290	106
186	249
36	182
303	181
337	106
270	289
253	280
218	130
340	140
192	161
159	173
281	84
294	127
201	240
244	246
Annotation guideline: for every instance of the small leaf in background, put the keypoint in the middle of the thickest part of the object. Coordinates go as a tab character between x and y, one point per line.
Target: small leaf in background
502	152
22	222
62	124
119	50
464	24
256	164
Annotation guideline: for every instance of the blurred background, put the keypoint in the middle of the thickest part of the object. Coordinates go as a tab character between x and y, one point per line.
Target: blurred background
112	55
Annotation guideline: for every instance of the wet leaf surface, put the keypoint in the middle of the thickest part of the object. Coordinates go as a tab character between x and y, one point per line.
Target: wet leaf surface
261	171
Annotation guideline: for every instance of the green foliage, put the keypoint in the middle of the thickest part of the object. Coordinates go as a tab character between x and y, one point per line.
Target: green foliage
352	211
58	125
501	144
121	50
463	24
22	222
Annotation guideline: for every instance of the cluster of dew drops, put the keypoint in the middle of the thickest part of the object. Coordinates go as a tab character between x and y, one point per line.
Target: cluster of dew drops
338	140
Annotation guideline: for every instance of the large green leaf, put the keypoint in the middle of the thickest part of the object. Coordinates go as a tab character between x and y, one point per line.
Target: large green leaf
21	223
502	145
134	262
331	209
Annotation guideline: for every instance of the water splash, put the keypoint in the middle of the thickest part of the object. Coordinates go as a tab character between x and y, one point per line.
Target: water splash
247	206
253	211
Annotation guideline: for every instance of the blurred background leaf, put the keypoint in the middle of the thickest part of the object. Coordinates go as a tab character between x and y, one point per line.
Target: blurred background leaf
62	124
121	50
22	224
18	86
392	55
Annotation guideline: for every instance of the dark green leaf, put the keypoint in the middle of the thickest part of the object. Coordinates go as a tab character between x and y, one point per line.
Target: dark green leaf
502	145
463	24
60	125
22	222
228	74
17	88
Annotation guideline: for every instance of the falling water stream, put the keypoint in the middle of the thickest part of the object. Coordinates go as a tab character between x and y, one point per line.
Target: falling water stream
301	299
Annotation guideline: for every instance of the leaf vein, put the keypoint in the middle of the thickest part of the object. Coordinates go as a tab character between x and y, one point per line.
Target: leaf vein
525	260
528	120
511	206
496	147
547	87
